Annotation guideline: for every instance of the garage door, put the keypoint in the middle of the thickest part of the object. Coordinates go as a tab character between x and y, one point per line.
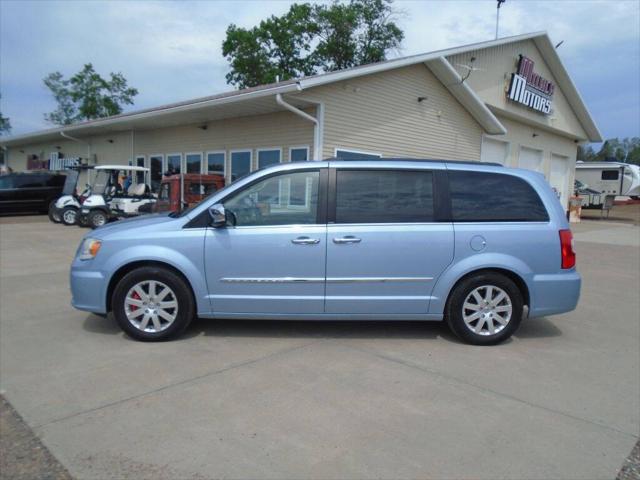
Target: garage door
559	177
494	151
530	159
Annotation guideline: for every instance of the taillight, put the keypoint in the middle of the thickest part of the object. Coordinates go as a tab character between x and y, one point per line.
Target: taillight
566	247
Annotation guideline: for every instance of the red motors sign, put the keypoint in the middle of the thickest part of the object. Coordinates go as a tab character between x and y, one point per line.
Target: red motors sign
529	88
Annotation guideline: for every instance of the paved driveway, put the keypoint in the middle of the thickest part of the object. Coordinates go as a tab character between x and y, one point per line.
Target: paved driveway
239	399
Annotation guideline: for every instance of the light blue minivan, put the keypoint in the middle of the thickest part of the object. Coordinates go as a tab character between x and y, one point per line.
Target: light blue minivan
475	244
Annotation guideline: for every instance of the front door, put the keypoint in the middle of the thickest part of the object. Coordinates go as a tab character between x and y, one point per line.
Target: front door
273	260
385	250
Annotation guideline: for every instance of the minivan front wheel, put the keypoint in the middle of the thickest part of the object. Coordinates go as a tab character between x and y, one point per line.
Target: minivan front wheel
153	304
485	309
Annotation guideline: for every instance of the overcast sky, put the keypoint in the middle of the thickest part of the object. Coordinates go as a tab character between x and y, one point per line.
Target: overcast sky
172	51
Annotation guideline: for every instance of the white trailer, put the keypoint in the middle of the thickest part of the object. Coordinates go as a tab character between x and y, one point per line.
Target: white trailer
610	178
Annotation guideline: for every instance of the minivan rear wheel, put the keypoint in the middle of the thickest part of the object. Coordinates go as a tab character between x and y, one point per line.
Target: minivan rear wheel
485	309
153	304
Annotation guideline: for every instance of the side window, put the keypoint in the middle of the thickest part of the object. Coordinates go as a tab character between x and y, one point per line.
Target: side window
384	196
286	199
29	181
493	197
610	175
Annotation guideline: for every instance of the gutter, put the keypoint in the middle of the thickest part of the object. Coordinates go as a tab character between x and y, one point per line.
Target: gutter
79	141
317	123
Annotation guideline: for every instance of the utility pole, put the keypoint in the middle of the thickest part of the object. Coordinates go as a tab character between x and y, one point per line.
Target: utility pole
500	2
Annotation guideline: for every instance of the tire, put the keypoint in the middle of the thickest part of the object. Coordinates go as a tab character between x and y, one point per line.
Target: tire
69	216
463	305
54	216
97	218
140	280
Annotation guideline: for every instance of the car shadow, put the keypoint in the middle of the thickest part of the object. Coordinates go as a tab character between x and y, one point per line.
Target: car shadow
529	329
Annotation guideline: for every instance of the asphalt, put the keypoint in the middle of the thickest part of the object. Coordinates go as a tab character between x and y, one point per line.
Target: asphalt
293	400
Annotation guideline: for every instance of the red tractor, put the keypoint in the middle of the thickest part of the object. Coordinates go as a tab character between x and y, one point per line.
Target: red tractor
196	187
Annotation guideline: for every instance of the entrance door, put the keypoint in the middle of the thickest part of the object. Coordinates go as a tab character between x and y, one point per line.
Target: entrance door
559	178
385	251
273	260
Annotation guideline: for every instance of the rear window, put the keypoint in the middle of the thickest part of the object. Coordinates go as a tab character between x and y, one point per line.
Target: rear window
384	196
610	174
493	197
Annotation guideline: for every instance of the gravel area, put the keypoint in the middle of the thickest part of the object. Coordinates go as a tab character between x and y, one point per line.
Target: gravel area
22	454
631	468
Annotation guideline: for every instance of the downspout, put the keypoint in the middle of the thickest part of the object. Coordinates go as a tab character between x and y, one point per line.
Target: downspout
317	149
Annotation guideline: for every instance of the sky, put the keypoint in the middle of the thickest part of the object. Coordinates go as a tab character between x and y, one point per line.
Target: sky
171	51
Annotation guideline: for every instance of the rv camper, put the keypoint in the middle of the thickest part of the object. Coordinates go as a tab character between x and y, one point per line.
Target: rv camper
610	179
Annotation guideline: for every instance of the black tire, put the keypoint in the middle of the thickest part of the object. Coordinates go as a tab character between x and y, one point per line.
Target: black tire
54	216
455	312
67	214
97	218
185	303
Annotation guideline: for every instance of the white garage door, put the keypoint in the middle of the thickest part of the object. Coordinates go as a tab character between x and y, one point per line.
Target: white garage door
530	159
494	151
559	177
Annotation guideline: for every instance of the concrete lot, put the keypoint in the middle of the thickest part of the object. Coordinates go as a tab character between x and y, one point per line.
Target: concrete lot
323	400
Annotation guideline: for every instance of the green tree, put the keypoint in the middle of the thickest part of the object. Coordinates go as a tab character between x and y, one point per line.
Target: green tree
309	39
87	95
5	124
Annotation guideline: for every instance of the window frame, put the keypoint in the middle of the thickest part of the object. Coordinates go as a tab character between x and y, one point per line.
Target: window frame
300	147
350	150
185	162
175	154
229	179
144	164
439	188
610	170
268	149
321	212
224	162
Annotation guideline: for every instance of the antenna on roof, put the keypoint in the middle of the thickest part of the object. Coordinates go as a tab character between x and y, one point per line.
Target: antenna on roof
559	43
500	2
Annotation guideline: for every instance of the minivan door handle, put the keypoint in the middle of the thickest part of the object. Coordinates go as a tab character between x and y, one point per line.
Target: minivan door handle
347	239
305	241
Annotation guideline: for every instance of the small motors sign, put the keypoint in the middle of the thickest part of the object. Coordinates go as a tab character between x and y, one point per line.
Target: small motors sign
529	88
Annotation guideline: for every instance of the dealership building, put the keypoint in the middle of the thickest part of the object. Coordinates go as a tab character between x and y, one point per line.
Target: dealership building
509	100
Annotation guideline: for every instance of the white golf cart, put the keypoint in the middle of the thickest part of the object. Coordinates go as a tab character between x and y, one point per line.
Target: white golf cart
113	197
67	206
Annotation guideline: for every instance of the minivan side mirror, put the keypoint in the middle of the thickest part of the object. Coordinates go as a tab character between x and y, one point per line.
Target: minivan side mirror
218	215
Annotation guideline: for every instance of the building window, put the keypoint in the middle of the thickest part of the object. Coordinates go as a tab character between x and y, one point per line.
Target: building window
215	162
240	164
155	165
140	163
193	163
268	156
344	154
299	154
174	161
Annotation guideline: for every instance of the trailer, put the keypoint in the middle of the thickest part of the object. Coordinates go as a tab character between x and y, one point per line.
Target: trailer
609	179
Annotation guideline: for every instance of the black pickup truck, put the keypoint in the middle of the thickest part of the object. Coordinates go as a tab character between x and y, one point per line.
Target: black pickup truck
29	191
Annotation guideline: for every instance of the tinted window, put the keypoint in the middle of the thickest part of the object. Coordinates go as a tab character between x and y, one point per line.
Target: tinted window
299	154
492	197
610	174
384	196
286	199
349	155
29	181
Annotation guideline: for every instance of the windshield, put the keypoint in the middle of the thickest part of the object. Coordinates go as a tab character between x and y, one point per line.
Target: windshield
70	182
101	182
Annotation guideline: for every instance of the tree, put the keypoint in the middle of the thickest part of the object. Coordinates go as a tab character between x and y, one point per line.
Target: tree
5	125
87	95
309	39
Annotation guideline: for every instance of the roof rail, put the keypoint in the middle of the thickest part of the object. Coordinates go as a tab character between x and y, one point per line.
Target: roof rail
400	159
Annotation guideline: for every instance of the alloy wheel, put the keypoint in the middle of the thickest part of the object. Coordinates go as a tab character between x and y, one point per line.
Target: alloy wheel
151	306
487	310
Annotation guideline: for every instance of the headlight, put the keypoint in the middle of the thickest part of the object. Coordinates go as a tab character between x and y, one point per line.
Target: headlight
89	248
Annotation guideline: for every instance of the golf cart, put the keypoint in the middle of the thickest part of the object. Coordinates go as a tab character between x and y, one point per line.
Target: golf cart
66	207
111	200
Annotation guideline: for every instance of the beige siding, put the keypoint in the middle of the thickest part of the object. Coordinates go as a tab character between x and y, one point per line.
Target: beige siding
491	83
381	113
281	130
